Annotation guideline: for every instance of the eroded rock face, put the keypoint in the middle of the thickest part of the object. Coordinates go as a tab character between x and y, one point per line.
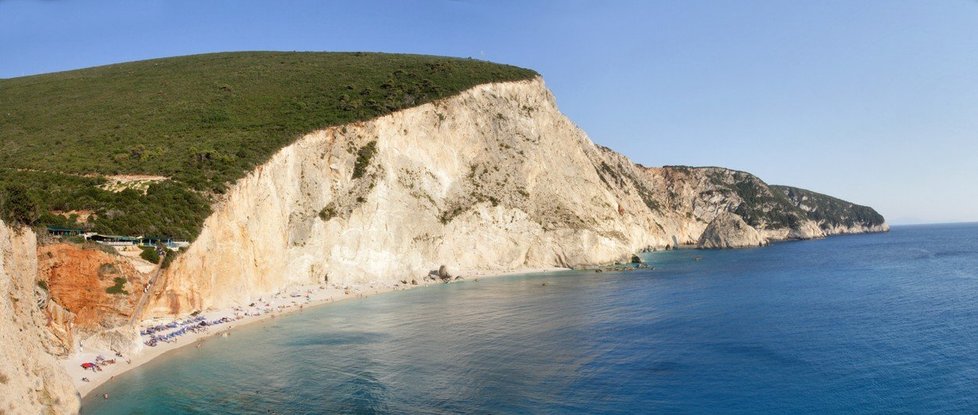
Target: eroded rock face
78	277
728	230
31	381
832	215
493	179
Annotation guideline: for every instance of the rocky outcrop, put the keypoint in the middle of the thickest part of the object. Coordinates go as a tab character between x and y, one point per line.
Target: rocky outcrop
701	193
31	381
832	215
78	277
729	230
492	179
100	288
443	273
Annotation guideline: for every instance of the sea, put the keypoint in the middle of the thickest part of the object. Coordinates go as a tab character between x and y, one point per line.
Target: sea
877	323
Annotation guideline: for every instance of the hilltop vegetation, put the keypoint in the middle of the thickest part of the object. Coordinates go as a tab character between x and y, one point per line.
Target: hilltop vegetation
762	207
201	121
766	206
827	210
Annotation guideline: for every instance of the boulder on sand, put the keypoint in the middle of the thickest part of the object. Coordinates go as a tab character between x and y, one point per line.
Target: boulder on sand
443	273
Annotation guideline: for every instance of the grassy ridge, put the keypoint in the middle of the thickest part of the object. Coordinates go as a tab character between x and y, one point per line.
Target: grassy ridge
202	120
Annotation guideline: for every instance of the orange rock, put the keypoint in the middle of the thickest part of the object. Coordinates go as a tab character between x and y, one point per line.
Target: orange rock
77	277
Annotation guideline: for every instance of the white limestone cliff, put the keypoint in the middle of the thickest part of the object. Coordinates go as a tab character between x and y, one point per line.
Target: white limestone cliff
31	381
492	179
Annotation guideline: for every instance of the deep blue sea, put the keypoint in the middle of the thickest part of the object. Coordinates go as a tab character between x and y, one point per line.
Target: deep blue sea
884	323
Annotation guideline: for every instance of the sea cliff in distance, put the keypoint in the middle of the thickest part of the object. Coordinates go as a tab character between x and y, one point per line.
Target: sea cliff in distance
347	169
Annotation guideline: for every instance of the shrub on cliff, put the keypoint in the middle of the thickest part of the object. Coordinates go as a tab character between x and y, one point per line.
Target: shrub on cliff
328	212
19	205
364	155
118	287
149	254
168	258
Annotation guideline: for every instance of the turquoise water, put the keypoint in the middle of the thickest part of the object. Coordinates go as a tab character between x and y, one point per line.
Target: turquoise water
882	323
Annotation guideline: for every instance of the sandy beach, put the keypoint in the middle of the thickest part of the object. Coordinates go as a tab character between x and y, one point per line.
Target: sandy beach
287	301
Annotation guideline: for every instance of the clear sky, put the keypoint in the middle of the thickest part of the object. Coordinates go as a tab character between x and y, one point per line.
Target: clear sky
872	101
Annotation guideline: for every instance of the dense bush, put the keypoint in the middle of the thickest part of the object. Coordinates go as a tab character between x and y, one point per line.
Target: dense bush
168	258
763	207
149	254
19	205
118	287
364	155
167	208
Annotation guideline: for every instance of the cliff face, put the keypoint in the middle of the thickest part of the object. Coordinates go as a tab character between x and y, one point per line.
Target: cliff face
730	231
31	382
79	279
834	216
700	194
492	179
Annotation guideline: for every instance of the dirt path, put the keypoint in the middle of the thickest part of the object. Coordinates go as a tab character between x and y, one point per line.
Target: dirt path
150	285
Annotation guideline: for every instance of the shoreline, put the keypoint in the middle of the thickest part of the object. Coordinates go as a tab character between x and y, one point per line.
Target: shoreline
279	304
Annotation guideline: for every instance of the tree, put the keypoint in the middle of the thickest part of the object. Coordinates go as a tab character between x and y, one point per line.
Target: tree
19	205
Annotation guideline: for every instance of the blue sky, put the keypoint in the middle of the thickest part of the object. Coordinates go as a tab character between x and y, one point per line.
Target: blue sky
872	101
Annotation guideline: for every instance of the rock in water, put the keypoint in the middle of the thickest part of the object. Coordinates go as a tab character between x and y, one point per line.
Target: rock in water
729	230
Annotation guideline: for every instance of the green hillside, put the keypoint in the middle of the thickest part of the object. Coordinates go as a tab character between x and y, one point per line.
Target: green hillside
202	121
828	210
771	207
